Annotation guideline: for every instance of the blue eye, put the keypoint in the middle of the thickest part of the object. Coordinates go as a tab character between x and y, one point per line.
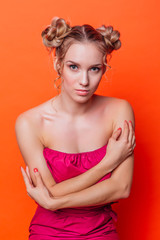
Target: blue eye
72	66
96	68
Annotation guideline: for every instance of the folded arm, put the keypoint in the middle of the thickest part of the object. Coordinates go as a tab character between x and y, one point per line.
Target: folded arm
116	187
109	190
31	148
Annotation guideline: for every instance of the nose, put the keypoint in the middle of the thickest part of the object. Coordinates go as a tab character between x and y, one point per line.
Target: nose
84	79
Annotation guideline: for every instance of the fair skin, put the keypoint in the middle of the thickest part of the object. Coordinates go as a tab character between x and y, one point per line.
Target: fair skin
81	119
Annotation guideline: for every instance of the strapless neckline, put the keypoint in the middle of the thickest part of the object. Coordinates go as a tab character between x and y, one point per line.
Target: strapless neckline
80	153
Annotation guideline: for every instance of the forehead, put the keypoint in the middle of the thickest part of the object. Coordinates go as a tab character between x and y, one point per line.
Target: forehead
84	52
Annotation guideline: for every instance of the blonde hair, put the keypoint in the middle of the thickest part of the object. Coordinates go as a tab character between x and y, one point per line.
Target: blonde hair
59	35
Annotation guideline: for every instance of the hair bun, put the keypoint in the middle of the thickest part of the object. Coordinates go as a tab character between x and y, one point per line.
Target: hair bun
111	37
54	34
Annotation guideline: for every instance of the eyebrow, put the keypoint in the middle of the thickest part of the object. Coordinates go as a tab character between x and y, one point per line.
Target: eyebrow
98	64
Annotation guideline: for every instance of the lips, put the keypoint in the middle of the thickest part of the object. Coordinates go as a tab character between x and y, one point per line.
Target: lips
82	90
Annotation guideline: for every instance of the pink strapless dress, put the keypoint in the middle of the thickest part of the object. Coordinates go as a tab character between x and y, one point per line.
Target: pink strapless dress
92	222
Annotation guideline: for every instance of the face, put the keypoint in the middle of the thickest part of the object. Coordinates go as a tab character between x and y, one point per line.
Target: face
82	71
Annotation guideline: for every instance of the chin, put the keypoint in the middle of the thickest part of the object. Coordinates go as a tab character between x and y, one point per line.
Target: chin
83	99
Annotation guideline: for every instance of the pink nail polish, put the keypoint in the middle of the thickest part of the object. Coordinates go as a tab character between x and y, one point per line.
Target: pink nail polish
35	170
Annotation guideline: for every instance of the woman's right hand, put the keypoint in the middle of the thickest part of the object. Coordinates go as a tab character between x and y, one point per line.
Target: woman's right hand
120	146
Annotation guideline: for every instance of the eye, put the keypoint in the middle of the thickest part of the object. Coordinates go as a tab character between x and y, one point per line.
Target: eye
95	69
73	66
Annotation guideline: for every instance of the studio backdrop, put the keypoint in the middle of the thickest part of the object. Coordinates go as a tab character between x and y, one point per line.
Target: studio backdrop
27	78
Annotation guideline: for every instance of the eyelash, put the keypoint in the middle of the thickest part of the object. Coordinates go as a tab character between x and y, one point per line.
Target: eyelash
76	66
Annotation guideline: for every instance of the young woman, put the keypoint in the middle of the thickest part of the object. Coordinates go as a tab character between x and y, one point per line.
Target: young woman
78	146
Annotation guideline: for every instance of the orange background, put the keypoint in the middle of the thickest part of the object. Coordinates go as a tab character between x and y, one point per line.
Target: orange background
27	80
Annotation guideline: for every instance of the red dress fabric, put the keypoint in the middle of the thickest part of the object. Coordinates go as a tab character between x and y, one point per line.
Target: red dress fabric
92	222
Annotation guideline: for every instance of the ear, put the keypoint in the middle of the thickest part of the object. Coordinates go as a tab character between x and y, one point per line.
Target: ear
104	69
55	64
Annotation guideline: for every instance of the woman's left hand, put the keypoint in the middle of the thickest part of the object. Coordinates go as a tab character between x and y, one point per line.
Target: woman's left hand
39	193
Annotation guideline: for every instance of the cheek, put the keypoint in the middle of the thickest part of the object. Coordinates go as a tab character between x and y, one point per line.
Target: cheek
95	80
68	81
66	77
94	85
69	78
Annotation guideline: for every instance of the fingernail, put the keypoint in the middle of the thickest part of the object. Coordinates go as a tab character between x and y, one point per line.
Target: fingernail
35	170
119	129
130	121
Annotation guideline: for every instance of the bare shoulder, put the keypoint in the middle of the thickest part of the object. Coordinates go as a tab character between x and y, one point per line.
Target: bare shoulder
122	110
32	118
116	102
119	109
122	105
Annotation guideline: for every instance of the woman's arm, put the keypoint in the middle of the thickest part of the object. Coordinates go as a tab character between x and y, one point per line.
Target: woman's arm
116	187
106	191
32	151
